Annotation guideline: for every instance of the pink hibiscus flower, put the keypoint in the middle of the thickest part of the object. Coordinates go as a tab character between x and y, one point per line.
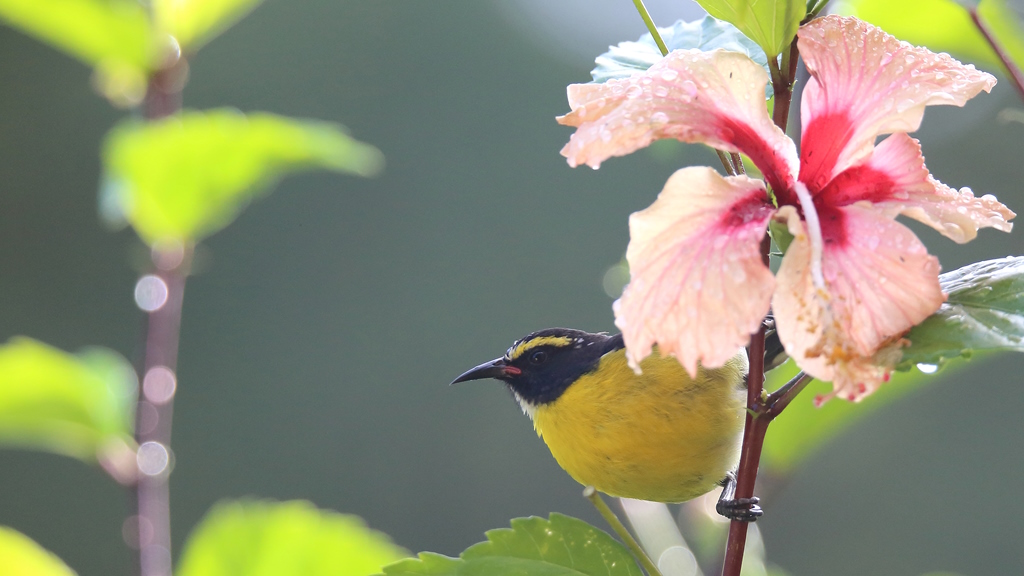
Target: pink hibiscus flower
853	280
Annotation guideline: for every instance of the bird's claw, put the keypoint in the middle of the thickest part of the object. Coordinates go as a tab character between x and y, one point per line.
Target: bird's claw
740	509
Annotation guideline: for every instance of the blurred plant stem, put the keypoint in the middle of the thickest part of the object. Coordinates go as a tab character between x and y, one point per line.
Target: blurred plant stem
638	552
658	533
1015	73
156	401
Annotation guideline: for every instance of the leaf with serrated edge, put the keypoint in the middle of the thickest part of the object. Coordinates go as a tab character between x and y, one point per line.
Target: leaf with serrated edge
628	58
772	24
196	22
21	556
984	311
76	405
262	538
560	546
186	177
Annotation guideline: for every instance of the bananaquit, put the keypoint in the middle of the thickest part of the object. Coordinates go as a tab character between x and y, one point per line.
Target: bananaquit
659	435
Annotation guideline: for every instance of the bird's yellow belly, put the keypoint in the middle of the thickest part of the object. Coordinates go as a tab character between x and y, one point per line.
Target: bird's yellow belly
657	436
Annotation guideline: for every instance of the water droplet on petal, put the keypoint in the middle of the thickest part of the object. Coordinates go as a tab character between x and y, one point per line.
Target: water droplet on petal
634	91
689	90
659	118
669	75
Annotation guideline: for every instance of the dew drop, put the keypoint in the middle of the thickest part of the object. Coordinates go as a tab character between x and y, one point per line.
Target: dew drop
689	90
150	293
659	118
634	91
669	75
152	458
928	368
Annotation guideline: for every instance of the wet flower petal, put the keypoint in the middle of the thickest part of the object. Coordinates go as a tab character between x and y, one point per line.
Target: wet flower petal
866	83
716	98
699	287
895	180
957	214
879	282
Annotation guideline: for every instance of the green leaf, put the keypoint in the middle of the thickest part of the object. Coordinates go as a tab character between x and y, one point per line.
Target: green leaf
628	58
946	26
21	556
261	538
804	428
186	177
113	36
983	312
772	24
77	405
559	546
196	22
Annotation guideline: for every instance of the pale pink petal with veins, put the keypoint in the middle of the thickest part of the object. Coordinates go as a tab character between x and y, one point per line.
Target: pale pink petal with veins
879	281
699	287
866	83
958	214
716	98
895	180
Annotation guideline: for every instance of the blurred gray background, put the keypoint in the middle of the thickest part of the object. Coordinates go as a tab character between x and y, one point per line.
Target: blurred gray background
323	327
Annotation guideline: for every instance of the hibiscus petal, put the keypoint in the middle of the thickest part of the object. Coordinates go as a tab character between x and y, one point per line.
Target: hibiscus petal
866	83
716	98
957	214
699	287
895	180
879	282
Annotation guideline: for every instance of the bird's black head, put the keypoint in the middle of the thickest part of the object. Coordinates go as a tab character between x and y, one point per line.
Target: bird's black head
540	366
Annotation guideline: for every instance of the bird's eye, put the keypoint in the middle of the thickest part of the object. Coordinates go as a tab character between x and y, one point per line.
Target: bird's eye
538	357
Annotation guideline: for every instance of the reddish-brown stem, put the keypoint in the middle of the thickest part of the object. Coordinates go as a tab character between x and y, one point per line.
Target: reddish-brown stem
152	522
782	85
757	421
155	409
1011	68
753	438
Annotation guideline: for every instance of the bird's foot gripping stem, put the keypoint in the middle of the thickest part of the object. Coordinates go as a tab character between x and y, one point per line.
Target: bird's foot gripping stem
741	509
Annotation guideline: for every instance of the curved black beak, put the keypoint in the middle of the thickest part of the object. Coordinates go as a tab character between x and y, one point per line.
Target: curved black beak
493	369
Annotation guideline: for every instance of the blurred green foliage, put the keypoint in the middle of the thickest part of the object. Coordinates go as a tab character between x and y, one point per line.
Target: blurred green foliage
806	425
121	39
772	24
20	556
558	546
946	26
78	405
260	538
186	177
195	22
115	37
